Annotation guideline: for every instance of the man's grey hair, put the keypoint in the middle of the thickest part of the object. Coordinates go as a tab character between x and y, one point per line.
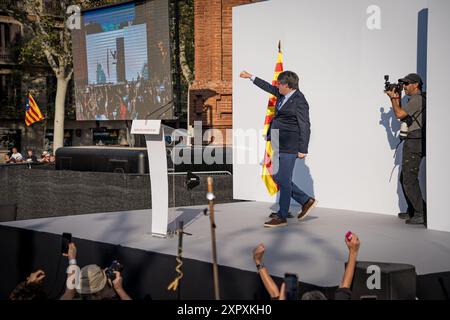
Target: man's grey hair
290	78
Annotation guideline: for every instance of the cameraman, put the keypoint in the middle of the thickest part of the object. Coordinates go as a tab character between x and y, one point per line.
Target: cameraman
412	114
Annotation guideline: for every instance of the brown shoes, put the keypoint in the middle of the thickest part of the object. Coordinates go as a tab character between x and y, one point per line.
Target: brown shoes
274	215
276	222
306	209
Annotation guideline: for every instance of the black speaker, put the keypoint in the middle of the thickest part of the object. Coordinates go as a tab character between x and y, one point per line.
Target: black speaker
384	281
102	159
135	160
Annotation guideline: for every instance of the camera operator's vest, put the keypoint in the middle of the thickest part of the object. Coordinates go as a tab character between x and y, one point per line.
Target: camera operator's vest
409	120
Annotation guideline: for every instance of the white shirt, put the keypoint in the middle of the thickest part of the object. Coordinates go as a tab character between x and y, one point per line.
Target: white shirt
286	98
16	156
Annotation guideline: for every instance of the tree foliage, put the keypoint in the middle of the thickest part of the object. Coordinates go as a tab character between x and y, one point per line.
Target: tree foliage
185	57
187	39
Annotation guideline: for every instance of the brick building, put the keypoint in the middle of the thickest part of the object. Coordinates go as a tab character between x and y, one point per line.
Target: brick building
210	95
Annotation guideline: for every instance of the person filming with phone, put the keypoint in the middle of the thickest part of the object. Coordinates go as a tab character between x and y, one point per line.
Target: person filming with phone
91	282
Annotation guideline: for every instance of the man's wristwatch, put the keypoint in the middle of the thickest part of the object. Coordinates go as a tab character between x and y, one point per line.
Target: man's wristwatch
259	266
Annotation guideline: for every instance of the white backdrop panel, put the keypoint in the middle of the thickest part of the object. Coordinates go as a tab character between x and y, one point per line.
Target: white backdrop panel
341	64
438	115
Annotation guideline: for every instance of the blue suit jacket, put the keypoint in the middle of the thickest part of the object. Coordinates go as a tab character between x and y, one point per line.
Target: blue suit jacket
292	120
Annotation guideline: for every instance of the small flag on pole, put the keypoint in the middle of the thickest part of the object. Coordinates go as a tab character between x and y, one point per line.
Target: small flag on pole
267	170
32	112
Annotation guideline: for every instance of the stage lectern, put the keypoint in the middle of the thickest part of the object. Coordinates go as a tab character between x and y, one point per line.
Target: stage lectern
157	164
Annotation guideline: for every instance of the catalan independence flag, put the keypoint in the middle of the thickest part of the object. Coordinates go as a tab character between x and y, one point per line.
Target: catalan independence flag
267	169
32	113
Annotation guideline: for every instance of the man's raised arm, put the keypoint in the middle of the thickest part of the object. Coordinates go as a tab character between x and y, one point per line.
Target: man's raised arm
261	83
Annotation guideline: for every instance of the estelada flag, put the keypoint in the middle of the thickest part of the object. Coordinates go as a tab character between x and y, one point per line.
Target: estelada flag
267	169
32	112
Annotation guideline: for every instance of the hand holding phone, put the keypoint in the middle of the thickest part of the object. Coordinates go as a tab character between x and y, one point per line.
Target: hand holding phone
66	238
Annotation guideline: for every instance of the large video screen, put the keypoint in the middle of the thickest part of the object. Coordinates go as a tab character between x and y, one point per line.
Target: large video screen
121	57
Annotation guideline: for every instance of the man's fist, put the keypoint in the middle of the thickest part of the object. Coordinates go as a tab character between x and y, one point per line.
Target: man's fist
245	75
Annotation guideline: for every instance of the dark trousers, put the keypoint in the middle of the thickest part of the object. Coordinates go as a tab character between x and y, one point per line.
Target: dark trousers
412	156
288	189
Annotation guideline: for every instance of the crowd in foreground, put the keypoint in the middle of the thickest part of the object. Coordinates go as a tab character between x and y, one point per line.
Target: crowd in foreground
91	282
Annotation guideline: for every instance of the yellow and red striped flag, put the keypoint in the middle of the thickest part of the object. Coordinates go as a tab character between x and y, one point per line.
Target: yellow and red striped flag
32	112
271	185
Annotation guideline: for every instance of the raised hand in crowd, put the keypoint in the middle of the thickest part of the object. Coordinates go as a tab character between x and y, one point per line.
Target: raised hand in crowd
72	252
31	288
117	285
71	255
36	277
269	284
344	292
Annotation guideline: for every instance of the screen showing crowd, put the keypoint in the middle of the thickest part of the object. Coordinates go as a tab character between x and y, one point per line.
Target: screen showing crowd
122	62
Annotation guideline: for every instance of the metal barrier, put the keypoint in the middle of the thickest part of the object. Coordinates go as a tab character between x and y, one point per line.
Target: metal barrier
211	173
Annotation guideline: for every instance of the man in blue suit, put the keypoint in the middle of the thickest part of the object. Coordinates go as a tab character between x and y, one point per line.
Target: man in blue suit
292	128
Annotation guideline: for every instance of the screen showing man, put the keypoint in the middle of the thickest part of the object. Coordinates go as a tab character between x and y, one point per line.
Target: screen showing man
122	62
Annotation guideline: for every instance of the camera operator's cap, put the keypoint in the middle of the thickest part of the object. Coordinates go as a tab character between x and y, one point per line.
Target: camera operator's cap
92	279
411	78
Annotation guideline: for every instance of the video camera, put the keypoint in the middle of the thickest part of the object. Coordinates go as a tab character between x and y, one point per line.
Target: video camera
115	266
397	87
